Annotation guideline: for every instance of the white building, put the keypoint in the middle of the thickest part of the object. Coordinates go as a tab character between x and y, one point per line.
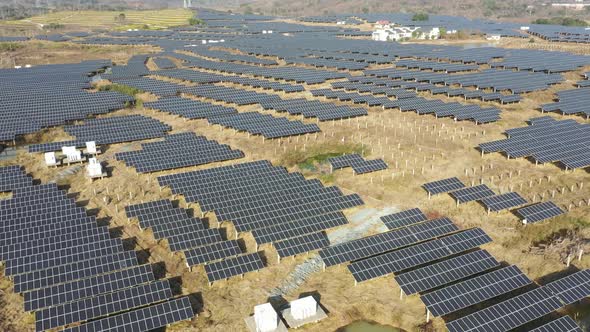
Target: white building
390	33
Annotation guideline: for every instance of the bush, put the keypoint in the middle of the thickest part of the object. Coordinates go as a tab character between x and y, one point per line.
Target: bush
195	21
124	89
420	17
10	47
54	26
318	154
565	21
532	40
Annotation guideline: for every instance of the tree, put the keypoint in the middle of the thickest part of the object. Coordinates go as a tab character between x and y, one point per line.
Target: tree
442	32
120	18
365	10
195	21
420	17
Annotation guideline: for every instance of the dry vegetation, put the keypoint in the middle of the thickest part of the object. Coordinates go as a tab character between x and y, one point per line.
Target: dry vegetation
417	148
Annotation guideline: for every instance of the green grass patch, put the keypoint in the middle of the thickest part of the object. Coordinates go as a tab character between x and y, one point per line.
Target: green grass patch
318	154
124	89
10	47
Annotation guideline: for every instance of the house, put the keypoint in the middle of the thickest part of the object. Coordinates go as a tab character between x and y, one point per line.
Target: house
494	37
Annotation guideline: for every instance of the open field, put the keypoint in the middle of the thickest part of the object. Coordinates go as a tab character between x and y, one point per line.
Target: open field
92	19
417	148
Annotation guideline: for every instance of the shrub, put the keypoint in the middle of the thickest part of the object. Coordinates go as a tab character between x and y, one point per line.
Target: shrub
420	17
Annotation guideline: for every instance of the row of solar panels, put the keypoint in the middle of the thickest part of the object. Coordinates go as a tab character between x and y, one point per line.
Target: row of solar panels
111	130
571	102
257	195
70	270
546	140
492	202
176	151
359	164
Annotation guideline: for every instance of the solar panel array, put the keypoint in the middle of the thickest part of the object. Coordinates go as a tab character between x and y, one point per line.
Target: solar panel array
539	212
52	95
503	201
69	269
13	177
545	141
443	186
265	124
410	257
470	194
445	272
531	305
277	206
563	324
571	102
200	245
359	164
188	108
104	131
475	290
176	151
385	242
404	218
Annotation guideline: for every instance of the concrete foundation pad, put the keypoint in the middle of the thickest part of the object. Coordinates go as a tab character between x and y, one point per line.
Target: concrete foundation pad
251	324
294	323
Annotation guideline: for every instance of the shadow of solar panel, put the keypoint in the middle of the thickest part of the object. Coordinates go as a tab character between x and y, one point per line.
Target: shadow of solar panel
148	318
563	324
470	194
538	212
443	186
212	252
503	201
447	271
233	266
403	259
404	218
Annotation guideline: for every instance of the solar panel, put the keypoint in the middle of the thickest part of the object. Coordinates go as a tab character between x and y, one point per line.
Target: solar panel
143	319
299	227
443	186
404	218
233	266
444	272
102	305
508	314
380	243
503	201
538	212
470	194
563	324
212	252
301	244
77	270
403	259
572	288
83	288
475	290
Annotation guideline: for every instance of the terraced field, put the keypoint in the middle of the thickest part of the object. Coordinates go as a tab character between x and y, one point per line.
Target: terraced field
94	19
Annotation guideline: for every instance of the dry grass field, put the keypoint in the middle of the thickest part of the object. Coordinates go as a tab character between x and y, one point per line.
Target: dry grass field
417	148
